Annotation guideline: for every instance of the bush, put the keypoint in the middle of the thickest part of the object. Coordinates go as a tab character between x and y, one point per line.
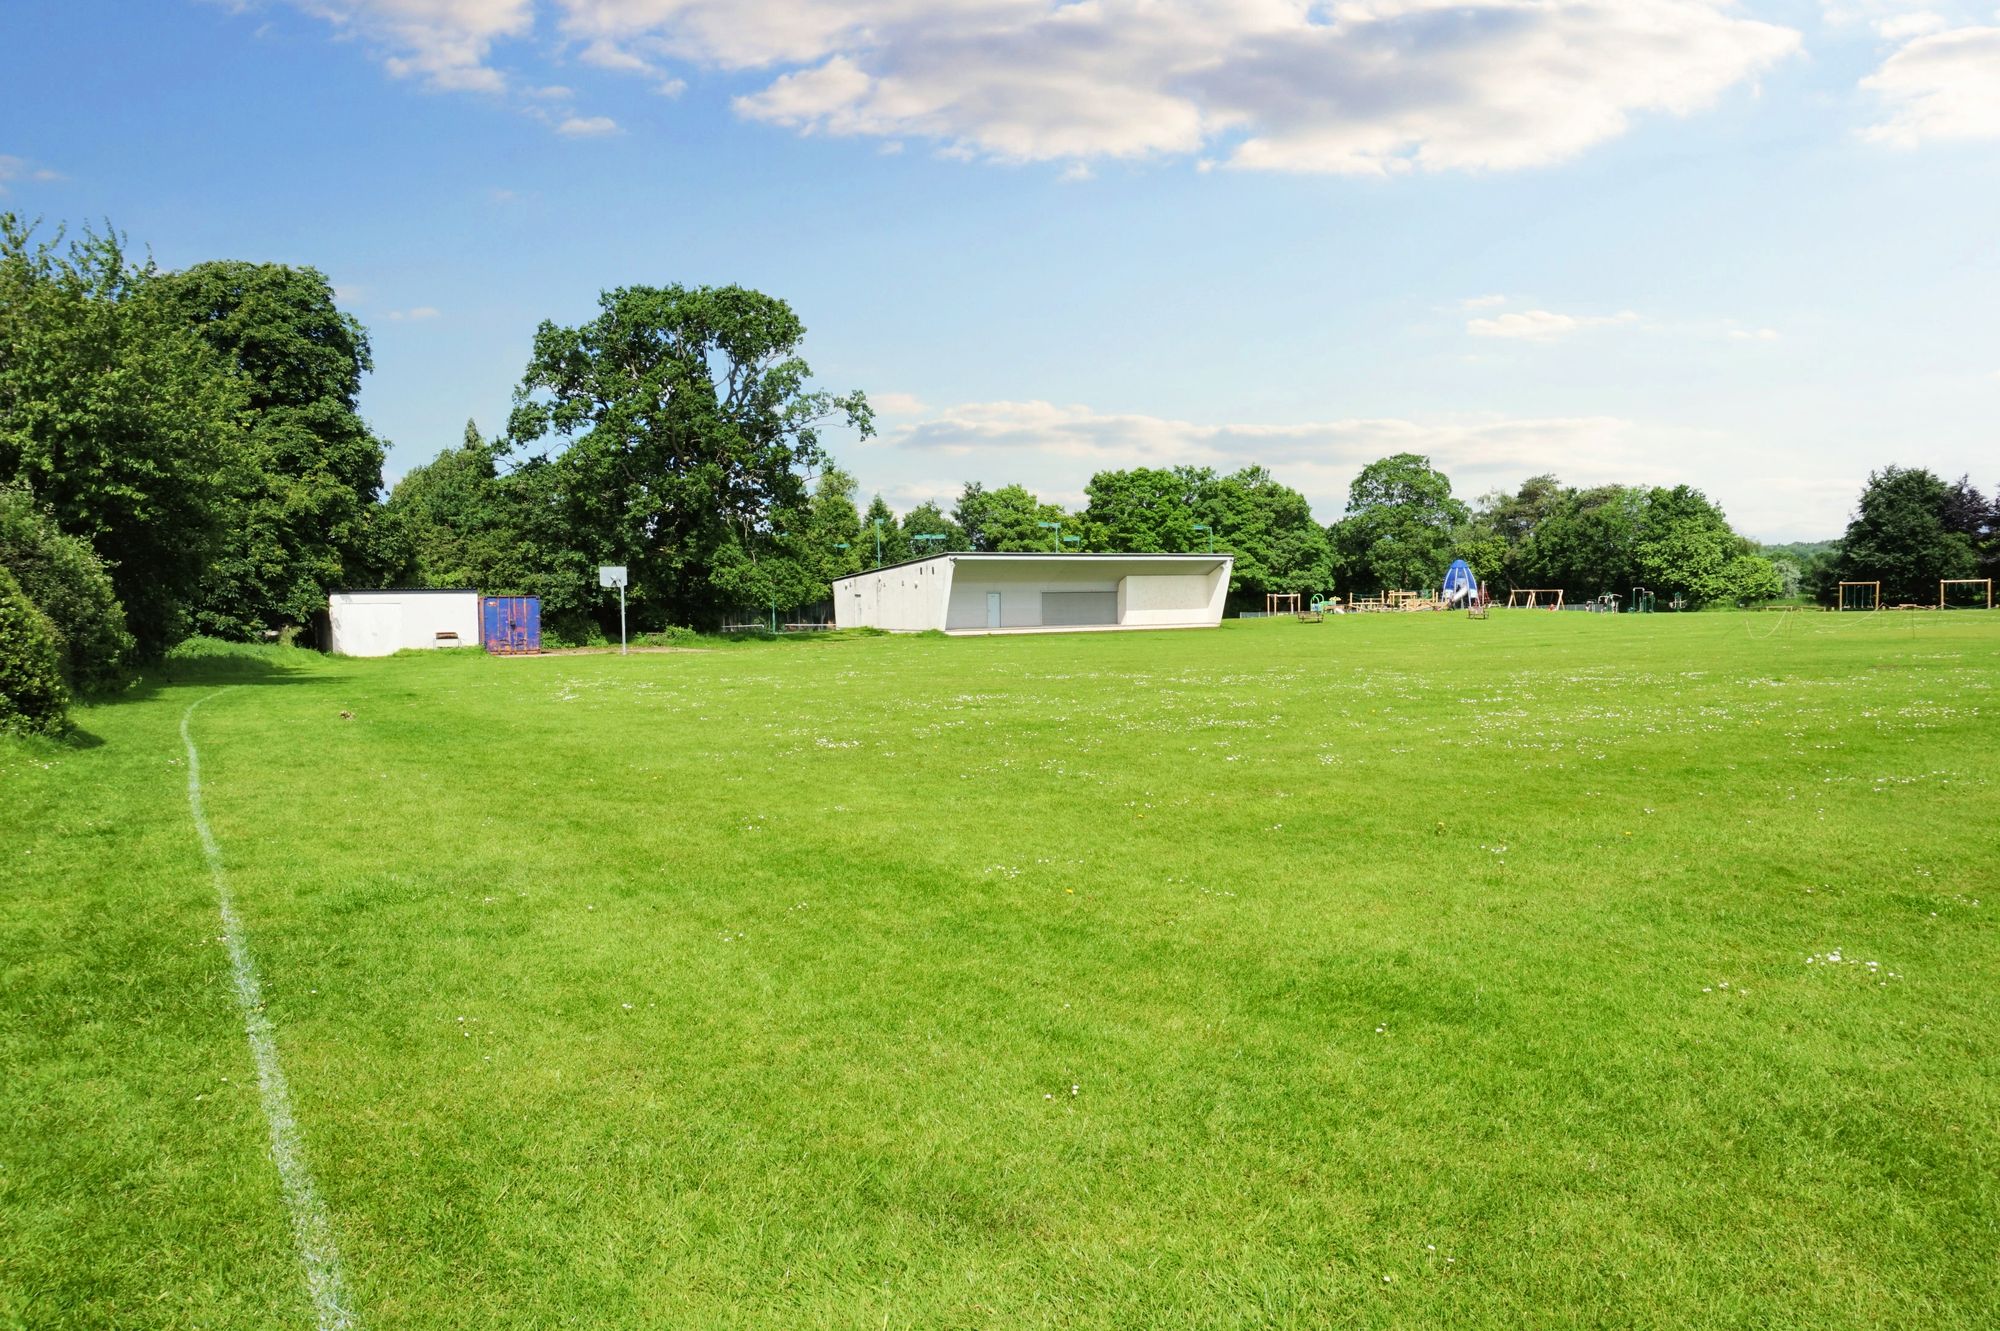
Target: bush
32	695
68	583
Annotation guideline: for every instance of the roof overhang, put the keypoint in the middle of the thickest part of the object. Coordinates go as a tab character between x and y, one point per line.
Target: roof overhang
1098	565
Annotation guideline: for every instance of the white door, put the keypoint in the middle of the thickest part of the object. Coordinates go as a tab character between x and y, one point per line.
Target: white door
993	610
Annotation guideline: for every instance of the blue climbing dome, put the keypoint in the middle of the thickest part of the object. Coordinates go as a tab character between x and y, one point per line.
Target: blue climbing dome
1460	587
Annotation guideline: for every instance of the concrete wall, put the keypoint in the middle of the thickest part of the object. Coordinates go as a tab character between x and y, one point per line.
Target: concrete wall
949	592
1172	600
908	599
1020	593
378	623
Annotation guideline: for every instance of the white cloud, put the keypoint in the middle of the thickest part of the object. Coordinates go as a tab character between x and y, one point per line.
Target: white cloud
1545	325
1902	27
585	127
20	168
1061	444
444	42
1944	85
1361	87
415	315
1053	449
1753	334
895	404
1482	302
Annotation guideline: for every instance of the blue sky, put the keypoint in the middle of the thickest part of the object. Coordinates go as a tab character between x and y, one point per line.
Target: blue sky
1753	246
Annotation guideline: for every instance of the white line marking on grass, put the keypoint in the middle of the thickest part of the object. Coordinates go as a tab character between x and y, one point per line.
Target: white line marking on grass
310	1227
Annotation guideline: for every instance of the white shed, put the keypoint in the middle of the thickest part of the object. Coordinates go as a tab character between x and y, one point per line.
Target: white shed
377	623
1036	593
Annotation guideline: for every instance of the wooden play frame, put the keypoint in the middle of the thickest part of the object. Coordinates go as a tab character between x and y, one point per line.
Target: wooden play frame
1281	603
1840	596
1987	583
1514	595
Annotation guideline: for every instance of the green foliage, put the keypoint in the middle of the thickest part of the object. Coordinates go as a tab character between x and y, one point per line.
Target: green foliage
300	524
1011	519
33	698
1270	529
1585	542
927	519
1903	535
1149	509
120	418
688	418
67	582
830	543
453	522
883	539
1686	545
1400	525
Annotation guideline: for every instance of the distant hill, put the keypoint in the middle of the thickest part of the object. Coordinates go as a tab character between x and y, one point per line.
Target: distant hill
1802	551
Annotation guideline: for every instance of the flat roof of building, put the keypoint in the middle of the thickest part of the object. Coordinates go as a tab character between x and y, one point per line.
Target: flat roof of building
1209	557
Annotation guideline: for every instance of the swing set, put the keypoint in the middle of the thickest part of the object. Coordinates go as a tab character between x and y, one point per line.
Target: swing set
1985	586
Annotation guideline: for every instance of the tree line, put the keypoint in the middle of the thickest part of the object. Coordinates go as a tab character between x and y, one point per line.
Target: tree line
181	452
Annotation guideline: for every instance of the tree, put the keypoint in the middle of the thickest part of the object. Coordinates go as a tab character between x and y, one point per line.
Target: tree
66	581
1686	545
124	423
453	523
882	537
32	696
832	539
1399	524
300	526
1902	536
1270	529
1147	509
1585	541
927	519
688	418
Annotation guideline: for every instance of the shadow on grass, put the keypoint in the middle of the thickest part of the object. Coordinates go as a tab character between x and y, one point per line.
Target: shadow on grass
208	661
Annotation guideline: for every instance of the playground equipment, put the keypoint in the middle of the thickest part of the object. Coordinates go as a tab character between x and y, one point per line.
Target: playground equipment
1860	596
1985	586
1460	587
1605	603
1535	598
1281	603
1642	601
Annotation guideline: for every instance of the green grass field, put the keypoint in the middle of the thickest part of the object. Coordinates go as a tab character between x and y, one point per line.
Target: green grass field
1395	971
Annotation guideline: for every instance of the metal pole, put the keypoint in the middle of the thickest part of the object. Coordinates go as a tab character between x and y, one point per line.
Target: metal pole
621	619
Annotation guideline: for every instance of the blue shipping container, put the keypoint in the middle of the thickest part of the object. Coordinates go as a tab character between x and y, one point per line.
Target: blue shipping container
511	625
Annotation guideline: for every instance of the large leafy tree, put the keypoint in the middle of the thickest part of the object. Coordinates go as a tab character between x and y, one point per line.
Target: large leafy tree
831	541
454	521
882	536
1686	545
1400	522
1010	518
1148	509
1583	541
928	519
123	422
686	419
1270	528
1903	535
301	524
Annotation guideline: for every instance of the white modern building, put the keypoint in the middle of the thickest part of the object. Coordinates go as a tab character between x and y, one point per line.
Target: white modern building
1036	593
378	623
